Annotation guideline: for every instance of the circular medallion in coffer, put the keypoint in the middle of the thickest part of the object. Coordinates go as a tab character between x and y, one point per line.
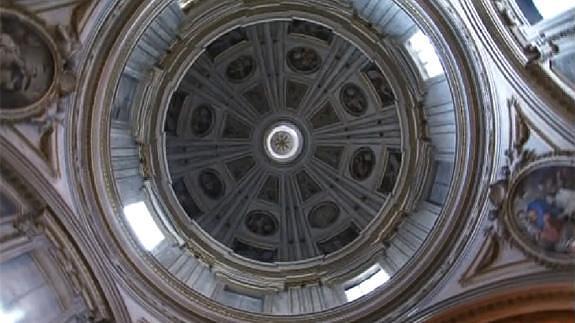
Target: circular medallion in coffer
353	99
30	67
261	223
241	68
202	120
304	60
362	163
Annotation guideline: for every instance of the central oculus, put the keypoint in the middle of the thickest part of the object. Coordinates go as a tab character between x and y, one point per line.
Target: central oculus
283	142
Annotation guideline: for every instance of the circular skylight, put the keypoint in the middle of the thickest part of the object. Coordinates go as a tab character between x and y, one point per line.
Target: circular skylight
283	142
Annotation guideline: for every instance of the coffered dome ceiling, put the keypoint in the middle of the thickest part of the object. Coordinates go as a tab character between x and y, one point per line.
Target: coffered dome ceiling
283	141
286	153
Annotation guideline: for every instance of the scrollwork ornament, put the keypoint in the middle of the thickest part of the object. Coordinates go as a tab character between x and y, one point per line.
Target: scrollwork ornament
36	70
507	13
30	224
534	198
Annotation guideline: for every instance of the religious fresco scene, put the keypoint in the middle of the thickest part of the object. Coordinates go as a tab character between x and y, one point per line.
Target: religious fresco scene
26	63
241	68
304	60
544	208
353	99
291	161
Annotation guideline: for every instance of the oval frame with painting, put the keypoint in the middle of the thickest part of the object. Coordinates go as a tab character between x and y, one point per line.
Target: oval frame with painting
540	210
30	66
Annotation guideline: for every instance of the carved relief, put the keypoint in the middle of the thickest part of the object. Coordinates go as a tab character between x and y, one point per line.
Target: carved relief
323	215
353	99
261	223
362	163
211	184
304	60
241	68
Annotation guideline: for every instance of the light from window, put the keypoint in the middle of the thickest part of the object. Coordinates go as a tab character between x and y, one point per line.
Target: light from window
367	286
421	48
551	8
185	3
10	317
143	225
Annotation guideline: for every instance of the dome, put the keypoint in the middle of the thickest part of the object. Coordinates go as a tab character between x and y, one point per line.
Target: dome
283	151
283	141
286	161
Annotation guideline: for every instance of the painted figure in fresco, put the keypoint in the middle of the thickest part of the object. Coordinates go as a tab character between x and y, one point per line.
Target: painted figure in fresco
353	99
362	163
549	214
380	84
261	224
304	59
211	184
26	64
15	76
240	68
202	118
544	217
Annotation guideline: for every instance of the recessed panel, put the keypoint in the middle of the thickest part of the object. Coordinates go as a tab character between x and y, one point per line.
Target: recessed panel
240	68
261	223
362	163
323	215
202	120
353	99
303	60
211	184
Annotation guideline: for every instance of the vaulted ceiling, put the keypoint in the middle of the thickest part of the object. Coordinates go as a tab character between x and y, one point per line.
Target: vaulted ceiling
253	79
